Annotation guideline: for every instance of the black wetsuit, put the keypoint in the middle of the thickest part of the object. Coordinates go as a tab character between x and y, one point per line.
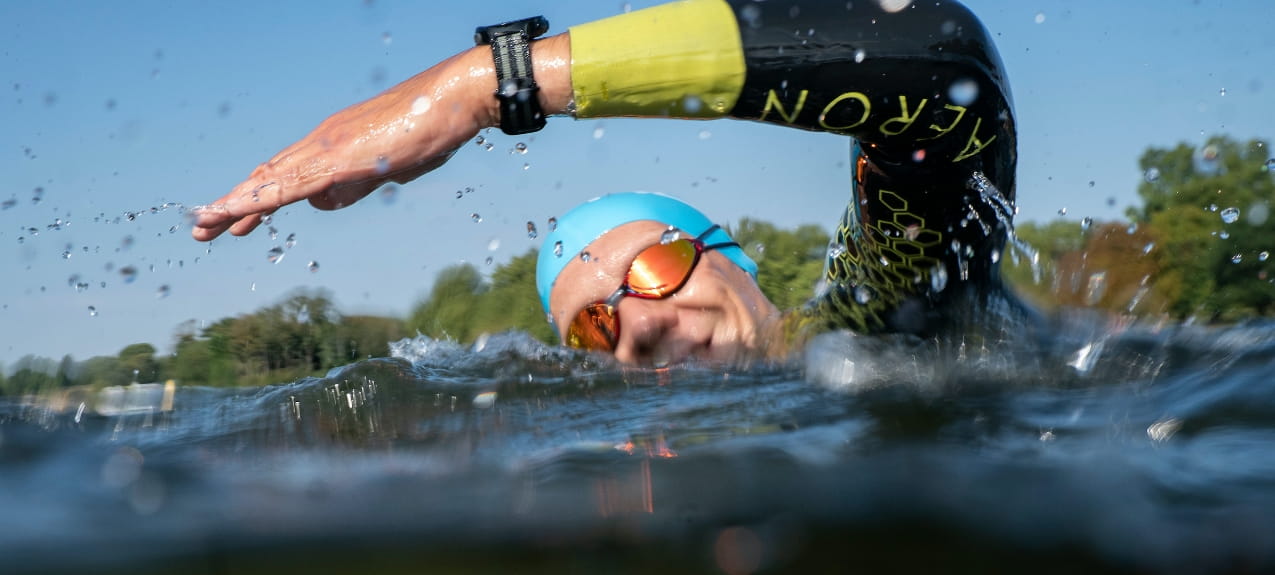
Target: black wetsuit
924	95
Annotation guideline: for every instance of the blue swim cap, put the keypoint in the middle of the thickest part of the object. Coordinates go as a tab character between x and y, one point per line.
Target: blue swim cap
588	221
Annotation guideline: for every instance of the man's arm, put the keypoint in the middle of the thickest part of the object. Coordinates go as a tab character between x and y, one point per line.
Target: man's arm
895	80
396	136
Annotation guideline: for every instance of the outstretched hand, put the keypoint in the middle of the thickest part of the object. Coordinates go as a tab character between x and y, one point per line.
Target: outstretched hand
397	136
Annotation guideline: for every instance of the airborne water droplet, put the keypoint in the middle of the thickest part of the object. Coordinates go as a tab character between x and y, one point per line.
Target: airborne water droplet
585	257
553	224
275	255
1237	258
531	230
475	217
290	242
128	274
862	294
1085	223
557	249
670	235
92	311
1263	256
963	92
313	266
1152	175
162	292
938	278
520	148
1230	215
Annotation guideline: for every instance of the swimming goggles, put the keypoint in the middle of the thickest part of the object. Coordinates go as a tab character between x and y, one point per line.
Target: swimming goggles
657	272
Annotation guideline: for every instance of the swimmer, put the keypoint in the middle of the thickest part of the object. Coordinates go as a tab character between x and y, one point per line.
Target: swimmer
917	88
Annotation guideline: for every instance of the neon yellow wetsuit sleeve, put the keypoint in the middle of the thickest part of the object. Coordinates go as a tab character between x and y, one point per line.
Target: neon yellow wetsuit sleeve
682	59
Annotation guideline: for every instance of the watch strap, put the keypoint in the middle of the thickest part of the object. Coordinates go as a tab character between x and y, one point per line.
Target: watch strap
517	91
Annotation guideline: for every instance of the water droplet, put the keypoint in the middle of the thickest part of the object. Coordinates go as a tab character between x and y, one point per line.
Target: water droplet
531	230
489	146
862	294
275	255
389	192
859	55
553	224
480	140
1212	207
1221	92
835	250
1223	234
1132	229
92	311
1147	248
274	233
691	104
1230	215
598	132
705	134
557	249
586	257
1085	223
1152	175
253	287
1040	17
422	105
290	242
313	266
382	165
1062	211
670	235
625	8
520	148
1269	165
475	217
938	278
266	219
1237	258
128	274
526	167
1096	289
963	92
66	255
488	260
1263	256
162	292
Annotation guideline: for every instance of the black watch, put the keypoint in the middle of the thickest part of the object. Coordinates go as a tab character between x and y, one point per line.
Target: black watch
510	42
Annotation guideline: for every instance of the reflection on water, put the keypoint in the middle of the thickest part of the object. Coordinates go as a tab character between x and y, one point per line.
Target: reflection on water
1095	449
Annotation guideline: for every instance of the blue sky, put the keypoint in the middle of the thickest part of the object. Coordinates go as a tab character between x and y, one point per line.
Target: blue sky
117	107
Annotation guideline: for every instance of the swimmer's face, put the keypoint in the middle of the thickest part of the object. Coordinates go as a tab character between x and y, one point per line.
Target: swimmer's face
717	315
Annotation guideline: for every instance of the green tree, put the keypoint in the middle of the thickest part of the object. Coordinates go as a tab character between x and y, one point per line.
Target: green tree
1211	211
511	301
451	305
138	363
789	262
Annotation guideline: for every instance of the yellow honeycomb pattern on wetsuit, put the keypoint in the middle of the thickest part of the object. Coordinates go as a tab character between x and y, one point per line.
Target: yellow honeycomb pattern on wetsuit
874	266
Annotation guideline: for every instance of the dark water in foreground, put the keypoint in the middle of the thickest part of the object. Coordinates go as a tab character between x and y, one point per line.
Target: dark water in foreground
1095	450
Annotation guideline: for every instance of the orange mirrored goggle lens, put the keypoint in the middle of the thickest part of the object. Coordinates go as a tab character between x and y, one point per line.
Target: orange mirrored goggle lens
661	269
657	272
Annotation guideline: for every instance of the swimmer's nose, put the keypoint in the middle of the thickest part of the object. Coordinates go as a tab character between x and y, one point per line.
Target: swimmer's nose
645	326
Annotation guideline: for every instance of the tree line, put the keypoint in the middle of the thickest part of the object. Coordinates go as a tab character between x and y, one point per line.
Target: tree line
1198	247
